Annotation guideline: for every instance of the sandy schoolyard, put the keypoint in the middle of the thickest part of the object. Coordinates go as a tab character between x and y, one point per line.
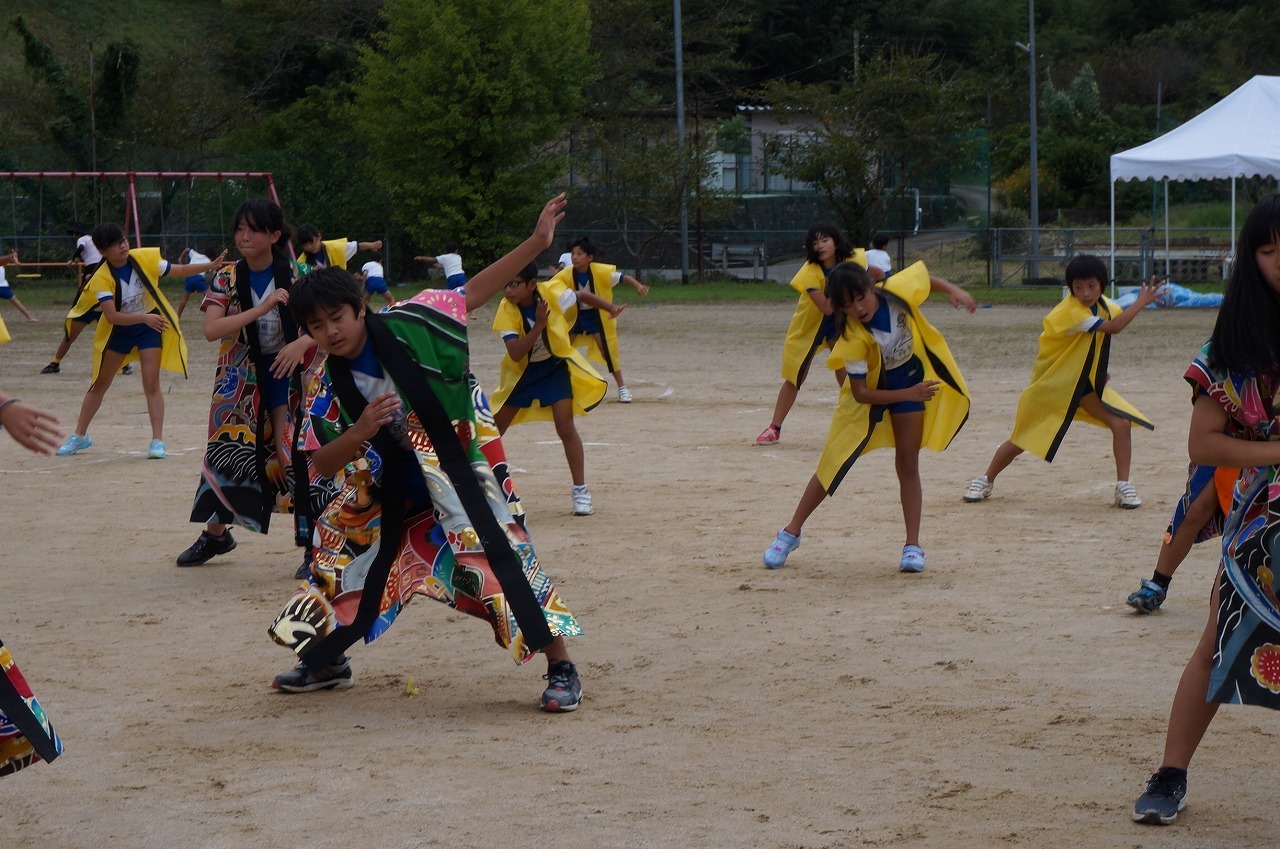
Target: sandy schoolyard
1005	697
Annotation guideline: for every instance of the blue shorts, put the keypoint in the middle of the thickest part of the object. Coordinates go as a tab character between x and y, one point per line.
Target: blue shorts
195	283
827	330
904	377
89	317
378	285
6	292
125	337
456	281
274	390
546	382
588	321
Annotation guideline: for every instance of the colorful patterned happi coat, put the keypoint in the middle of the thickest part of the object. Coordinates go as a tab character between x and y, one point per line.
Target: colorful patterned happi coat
25	733
440	553
242	481
1246	660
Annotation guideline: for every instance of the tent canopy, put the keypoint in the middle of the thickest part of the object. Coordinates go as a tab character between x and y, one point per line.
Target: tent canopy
1239	136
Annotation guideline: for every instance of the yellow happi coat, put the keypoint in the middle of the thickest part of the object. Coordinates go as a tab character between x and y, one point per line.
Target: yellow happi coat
857	428
1068	366
802	341
589	387
601	285
146	266
335	252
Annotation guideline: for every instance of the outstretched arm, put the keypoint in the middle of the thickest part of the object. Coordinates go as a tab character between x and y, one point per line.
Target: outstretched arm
960	299
1147	294
191	268
490	281
641	289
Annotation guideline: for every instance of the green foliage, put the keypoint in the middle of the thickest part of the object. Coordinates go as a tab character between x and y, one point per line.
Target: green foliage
869	137
463	103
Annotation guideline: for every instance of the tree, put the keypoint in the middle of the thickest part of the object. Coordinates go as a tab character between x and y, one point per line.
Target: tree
464	104
865	139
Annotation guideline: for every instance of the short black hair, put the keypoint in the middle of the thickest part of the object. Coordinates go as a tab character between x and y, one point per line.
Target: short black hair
1087	267
585	244
323	289
529	272
376	256
107	234
451	247
307	233
879	240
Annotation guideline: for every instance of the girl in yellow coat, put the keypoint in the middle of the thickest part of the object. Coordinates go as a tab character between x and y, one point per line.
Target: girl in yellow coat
898	368
544	378
1069	380
812	327
139	325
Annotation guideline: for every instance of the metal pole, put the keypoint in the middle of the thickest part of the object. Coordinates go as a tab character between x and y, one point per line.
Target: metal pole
1035	166
93	123
684	202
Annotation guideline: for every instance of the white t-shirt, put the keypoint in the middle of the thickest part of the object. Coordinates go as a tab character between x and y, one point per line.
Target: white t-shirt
880	259
194	257
372	269
371	387
896	344
566	259
132	291
270	330
4	284
451	263
89	253
539	351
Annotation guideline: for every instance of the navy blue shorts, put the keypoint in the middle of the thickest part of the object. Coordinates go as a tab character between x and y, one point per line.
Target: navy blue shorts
588	321
6	292
378	285
904	377
90	317
274	390
195	283
126	337
545	382
456	281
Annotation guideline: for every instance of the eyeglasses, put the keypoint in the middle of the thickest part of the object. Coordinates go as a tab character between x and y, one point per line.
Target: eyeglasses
514	283
123	243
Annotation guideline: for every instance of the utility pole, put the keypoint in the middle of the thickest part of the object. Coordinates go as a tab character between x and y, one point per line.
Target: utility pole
684	193
1033	270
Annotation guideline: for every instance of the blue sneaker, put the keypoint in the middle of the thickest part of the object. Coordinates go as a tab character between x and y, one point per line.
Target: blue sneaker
1148	598
775	556
1166	794
564	688
912	559
157	450
74	443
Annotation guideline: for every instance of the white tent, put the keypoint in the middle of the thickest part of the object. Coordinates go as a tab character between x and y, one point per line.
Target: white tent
1239	136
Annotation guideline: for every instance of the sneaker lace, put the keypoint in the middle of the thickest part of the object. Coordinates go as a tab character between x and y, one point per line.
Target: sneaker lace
1163	784
560	676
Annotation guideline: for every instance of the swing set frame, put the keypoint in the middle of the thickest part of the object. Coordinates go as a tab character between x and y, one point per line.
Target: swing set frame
131	201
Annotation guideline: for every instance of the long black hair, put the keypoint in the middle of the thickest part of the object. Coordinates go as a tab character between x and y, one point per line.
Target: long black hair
265	216
844	250
846	281
1246	336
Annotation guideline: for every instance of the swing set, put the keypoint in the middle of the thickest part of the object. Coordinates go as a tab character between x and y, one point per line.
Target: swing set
115	195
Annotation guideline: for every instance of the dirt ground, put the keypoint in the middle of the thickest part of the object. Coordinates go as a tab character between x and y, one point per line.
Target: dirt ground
1004	697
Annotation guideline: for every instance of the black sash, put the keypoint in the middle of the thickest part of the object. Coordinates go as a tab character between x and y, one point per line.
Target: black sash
13	706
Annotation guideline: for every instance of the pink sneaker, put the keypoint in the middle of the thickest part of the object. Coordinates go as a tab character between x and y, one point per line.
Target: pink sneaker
770	435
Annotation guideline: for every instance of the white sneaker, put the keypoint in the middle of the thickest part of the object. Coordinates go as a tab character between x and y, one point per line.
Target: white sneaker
624	395
979	488
581	501
1127	496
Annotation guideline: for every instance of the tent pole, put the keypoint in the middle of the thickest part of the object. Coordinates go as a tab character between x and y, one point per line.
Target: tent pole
1166	229
1112	187
1232	236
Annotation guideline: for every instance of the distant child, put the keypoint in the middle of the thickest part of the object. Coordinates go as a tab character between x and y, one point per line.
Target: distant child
90	258
195	282
426	506
6	292
543	376
878	256
1069	380
566	258
374	279
450	262
599	330
140	325
899	368
316	252
1234	424
812	327
251	467
1197	517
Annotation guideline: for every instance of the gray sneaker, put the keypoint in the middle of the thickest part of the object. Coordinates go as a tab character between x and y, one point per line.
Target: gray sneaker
303	679
564	687
1165	795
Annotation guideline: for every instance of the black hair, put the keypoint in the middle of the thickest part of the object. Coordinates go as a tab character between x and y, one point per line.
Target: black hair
106	234
376	256
264	216
844	250
529	272
326	288
1086	267
1246	335
307	233
879	240
451	247
846	281
585	244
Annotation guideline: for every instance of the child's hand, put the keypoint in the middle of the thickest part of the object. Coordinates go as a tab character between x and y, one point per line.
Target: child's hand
380	411
545	230
155	321
616	309
540	315
290	357
642	290
962	300
922	391
31	427
278	297
220	257
1150	292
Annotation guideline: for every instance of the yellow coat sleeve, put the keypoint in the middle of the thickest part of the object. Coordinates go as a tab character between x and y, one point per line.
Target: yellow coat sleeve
802	342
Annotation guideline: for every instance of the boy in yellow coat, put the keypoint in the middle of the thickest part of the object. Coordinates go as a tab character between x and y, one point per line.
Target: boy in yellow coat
543	377
139	324
1069	380
903	391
